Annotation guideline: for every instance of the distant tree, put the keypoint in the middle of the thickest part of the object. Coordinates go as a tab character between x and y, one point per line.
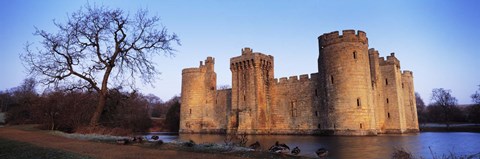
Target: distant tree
421	111
97	45
173	115
473	111
224	87
20	101
476	96
444	105
153	102
5	100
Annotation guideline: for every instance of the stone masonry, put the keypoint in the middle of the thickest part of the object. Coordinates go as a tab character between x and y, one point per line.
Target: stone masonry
354	92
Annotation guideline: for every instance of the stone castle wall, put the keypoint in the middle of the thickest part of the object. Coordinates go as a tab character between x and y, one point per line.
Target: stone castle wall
355	92
294	106
411	117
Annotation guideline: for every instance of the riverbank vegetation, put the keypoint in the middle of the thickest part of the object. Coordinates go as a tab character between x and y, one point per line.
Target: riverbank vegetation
71	111
445	110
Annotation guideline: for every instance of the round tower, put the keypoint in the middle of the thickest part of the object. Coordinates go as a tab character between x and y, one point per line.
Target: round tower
198	98
345	84
192	97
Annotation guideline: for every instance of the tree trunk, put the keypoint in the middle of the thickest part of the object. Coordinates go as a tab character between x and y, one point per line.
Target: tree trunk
98	111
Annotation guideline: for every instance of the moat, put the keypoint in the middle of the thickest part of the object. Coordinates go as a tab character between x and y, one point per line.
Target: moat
382	146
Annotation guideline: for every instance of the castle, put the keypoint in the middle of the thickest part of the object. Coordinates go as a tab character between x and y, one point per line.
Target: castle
354	92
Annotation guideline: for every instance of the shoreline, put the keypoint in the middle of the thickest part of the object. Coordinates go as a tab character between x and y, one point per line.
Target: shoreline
26	134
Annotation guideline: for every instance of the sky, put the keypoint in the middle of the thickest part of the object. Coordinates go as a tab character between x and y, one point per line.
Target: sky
438	40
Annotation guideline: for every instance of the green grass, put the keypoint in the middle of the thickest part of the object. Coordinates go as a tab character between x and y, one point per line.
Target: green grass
20	150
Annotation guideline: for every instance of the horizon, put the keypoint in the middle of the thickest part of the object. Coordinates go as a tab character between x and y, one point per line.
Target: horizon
435	40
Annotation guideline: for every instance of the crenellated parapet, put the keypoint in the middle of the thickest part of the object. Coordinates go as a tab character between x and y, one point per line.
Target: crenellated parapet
250	59
373	51
391	60
202	68
296	79
347	36
407	73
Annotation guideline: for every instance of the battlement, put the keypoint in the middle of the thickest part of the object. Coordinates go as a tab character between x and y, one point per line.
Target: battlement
209	62
347	36
250	59
294	79
372	51
391	60
191	70
247	50
407	73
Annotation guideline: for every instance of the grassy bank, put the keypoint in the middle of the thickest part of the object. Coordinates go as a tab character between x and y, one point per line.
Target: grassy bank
435	127
19	150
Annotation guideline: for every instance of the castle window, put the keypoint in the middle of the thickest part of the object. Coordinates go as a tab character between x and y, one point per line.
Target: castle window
388	115
244	98
354	55
319	126
358	102
387	100
386	81
294	109
331	78
316	92
361	126
316	113
190	111
402	85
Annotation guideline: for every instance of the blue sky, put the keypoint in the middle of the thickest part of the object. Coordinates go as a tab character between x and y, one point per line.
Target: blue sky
437	40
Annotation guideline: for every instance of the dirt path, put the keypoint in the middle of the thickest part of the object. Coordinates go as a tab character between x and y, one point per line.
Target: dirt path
96	149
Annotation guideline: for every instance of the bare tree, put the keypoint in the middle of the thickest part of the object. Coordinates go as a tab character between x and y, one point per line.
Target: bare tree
476	96
421	111
442	98
97	45
474	110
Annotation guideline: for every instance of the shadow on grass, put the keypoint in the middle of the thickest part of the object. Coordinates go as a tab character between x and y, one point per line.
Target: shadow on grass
19	150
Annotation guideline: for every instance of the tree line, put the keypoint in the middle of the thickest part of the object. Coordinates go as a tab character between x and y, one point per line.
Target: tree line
444	108
71	110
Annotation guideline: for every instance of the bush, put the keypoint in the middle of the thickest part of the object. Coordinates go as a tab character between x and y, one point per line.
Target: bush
127	111
172	120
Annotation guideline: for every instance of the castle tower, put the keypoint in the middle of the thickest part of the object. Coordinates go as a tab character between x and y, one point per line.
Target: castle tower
393	94
198	98
410	107
345	84
252	77
377	87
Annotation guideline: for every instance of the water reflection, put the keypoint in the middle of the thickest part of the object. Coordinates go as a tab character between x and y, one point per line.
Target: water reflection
358	147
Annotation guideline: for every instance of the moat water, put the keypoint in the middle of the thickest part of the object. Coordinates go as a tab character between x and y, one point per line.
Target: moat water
441	143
